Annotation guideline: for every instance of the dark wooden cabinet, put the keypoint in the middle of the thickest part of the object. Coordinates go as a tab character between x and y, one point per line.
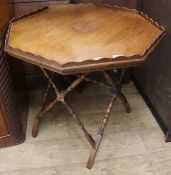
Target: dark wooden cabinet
3	128
13	98
11	131
154	78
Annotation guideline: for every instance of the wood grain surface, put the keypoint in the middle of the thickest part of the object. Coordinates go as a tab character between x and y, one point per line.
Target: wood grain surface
69	33
31	72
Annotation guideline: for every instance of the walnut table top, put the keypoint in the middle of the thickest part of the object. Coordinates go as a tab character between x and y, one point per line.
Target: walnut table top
80	38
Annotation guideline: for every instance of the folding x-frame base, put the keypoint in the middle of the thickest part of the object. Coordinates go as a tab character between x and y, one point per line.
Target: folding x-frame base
116	92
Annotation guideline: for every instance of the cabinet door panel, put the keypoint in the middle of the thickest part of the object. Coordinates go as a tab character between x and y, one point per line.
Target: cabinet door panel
11	132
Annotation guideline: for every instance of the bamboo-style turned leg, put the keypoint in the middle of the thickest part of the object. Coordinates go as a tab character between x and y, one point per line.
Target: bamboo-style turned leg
87	135
42	110
117	88
45	95
60	97
99	136
39	116
116	91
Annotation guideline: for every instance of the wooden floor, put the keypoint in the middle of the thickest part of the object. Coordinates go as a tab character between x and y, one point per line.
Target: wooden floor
133	143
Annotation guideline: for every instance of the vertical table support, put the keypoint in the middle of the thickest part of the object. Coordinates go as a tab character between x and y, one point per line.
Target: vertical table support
116	92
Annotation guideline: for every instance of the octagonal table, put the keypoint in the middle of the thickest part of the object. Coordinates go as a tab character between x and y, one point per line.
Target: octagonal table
80	39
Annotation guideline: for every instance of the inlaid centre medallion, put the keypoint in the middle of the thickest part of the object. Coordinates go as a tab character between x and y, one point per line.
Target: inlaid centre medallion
87	26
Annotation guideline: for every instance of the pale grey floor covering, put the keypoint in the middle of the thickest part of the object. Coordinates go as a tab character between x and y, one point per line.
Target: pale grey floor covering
133	143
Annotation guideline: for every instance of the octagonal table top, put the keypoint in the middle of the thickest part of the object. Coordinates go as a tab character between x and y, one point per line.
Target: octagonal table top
69	38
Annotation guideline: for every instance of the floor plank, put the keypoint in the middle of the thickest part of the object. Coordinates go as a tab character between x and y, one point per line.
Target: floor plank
133	143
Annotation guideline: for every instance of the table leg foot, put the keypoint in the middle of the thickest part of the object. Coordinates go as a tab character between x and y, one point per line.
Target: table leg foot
93	151
127	107
35	127
125	102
